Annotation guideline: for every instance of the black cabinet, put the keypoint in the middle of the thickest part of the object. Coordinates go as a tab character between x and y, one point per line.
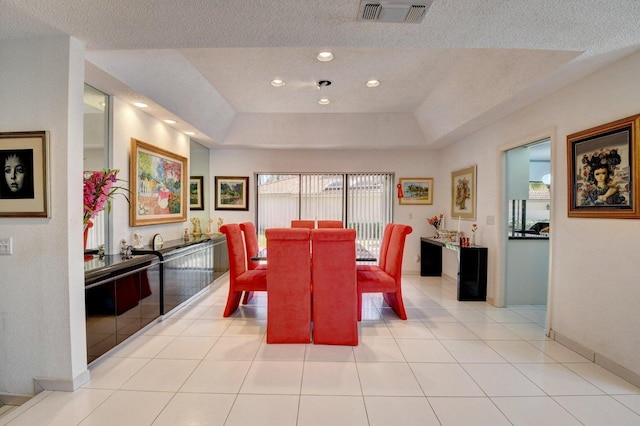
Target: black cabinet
472	267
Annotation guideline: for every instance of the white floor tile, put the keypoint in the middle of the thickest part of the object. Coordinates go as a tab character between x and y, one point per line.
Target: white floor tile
336	353
631	401
424	350
556	379
217	377
445	380
466	351
196	409
535	411
405	411
468	411
451	331
331	410
599	410
388	379
330	378
492	331
187	347
280	352
207	327
129	408
264	410
410	330
112	373
142	346
557	351
274	377
603	379
377	349
165	375
502	380
235	348
519	351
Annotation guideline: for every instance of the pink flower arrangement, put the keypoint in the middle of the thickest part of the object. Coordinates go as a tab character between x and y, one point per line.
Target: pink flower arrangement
436	221
98	190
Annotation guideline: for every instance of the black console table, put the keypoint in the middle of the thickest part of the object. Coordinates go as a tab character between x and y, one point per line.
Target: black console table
472	267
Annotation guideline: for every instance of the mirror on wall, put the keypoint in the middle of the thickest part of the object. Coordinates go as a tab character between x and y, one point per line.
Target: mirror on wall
96	153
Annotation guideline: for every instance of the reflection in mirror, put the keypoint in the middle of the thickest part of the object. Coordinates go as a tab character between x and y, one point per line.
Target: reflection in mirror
96	153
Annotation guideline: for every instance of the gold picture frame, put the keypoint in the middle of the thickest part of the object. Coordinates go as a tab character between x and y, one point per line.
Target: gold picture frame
603	172
463	193
416	191
24	192
158	185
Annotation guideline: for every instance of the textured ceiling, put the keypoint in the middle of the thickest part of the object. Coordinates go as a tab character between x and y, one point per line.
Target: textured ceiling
208	63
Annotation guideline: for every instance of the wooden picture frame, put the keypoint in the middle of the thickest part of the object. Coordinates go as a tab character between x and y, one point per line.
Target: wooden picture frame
24	186
158	185
603	170
416	191
463	193
232	193
196	194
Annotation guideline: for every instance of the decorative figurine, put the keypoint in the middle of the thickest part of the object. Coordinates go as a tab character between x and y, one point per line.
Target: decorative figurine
101	252
209	227
197	231
137	240
125	250
220	222
185	236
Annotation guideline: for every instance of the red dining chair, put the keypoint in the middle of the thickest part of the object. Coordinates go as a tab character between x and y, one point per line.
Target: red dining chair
251	248
289	284
382	256
330	224
335	304
389	280
240	278
309	224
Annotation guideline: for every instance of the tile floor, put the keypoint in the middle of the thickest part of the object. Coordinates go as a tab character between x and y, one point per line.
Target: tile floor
451	363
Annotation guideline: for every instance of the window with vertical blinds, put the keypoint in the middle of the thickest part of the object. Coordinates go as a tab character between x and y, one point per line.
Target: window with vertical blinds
363	201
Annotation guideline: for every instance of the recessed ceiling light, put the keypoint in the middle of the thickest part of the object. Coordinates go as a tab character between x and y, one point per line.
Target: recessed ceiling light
325	56
324	101
190	133
169	121
140	104
373	83
277	82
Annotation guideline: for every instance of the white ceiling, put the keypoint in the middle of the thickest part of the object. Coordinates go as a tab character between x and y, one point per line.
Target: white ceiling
209	63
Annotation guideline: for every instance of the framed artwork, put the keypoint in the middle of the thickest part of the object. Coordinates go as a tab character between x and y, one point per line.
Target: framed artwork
158	185
415	191
463	193
196	196
232	193
24	185
603	170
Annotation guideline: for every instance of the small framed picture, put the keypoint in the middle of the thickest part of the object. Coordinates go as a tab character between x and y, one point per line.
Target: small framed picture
603	170
24	186
232	193
196	195
415	191
463	193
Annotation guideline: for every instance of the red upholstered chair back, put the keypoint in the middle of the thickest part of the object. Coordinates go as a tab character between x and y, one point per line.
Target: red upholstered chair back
396	250
384	245
289	285
235	247
251	243
330	224
335	307
309	224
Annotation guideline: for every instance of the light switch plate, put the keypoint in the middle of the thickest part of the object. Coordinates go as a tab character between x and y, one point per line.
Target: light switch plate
6	245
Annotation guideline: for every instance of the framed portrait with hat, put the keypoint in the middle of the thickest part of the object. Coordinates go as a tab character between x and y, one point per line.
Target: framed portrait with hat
603	170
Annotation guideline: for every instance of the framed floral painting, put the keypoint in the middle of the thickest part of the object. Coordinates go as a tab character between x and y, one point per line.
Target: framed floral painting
158	185
463	193
603	170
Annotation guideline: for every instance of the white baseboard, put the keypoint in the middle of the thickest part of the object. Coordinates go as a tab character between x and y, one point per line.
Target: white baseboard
65	385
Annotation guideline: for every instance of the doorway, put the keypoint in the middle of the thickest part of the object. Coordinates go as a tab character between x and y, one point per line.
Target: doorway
528	221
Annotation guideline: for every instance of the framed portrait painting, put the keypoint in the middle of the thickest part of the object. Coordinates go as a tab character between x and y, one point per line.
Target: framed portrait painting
416	191
24	186
158	185
196	196
603	170
463	193
232	193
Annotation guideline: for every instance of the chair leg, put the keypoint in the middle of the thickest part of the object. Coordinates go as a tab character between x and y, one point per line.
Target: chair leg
248	295
233	301
395	301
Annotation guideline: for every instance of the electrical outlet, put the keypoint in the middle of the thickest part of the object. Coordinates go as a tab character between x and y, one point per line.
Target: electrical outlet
6	246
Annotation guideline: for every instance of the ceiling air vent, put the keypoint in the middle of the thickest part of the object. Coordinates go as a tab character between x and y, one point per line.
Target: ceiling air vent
406	11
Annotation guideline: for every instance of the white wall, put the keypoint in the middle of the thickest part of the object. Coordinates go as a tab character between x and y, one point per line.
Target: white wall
404	163
42	325
594	297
